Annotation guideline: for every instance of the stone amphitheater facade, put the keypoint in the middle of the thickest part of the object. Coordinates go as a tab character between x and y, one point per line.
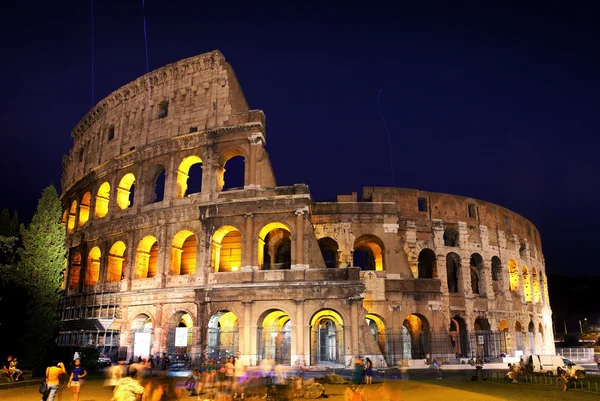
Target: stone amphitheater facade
157	265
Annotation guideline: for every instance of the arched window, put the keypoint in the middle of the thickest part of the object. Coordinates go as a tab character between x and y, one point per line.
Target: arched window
159	186
102	199
231	174
450	237
147	258
92	269
183	253
536	285
329	250
189	176
514	275
526	284
226	246
125	191
475	267
496	268
427	264
368	253
116	261
72	217
274	247
75	271
84	208
452	271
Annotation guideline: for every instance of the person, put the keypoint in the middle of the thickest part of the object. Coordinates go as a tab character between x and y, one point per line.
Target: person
128	388
6	368
563	378
75	381
438	366
191	382
53	373
12	367
597	359
230	372
368	371
511	376
358	370
114	374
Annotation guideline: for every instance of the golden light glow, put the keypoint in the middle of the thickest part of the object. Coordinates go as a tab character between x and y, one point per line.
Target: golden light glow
545	285
226	249
72	216
183	174
228	321
183	253
187	320
263	234
147	258
329	314
92	269
116	261
63	221
526	284
513	271
124	190
84	208
75	271
503	326
370	244
102	199
275	320
536	285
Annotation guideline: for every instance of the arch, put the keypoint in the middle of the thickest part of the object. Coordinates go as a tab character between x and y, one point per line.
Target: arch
222	335
427	264
274	247
183	175
526	284
274	336
146	262
486	345
451	237
102	200
180	340
330	251
183	253
503	326
452	271
418	331
475	267
75	270
496	268
92	268
158	184
327	337
63	220
513	271
459	336
116	261
233	173
142	326
224	158
481	324
541	330
377	327
84	208
226	249
125	191
72	216
536	285
368	253
519	335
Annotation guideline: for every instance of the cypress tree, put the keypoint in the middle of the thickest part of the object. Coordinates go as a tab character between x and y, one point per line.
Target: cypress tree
42	262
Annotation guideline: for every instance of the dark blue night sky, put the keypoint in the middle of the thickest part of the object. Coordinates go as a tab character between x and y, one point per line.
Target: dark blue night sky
499	103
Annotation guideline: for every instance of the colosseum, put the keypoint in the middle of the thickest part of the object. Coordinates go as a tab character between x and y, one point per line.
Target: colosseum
164	257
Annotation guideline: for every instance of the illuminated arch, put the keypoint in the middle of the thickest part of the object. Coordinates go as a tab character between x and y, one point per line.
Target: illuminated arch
274	246
513	272
72	216
503	326
84	208
183	253
183	174
147	258
125	191
223	159
368	253
116	261
378	330
226	249
536	286
102	199
526	284
327	337
417	327
92	269
222	335
75	271
274	336
63	221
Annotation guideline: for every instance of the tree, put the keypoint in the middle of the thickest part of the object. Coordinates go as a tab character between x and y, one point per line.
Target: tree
42	263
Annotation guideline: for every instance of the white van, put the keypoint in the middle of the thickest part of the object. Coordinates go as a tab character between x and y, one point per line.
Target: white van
550	364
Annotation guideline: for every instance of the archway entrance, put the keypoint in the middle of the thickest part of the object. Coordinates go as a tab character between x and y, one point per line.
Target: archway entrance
417	328
459	337
179	343
378	330
274	247
141	330
222	335
274	337
327	338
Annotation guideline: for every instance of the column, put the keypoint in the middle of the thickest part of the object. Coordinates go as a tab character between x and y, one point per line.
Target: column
248	256
299	240
298	329
245	348
256	139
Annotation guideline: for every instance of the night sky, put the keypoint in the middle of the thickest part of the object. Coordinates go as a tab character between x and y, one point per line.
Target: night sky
498	103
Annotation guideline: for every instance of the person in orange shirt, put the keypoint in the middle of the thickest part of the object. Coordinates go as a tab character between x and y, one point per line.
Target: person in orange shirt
53	373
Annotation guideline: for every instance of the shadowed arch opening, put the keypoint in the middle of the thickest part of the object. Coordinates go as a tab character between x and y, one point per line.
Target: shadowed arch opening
183	253
459	336
102	200
92	268
116	261
146	262
475	269
274	337
450	237
230	174
496	268
226	250
327	337
84	208
223	335
452	271
330	251
157	189
186	176
125	191
427	264
513	272
274	247
368	253
75	270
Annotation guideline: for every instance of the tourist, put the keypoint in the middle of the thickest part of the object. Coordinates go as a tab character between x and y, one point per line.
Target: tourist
75	381
358	370
12	367
128	388
53	373
368	371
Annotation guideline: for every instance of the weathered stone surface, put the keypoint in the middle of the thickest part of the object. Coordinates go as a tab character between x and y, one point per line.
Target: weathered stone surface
333	378
314	391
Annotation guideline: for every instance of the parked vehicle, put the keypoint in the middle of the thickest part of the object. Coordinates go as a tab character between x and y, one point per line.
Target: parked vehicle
104	361
550	364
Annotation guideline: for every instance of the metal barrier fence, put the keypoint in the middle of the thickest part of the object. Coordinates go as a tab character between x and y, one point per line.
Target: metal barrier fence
544	380
576	354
